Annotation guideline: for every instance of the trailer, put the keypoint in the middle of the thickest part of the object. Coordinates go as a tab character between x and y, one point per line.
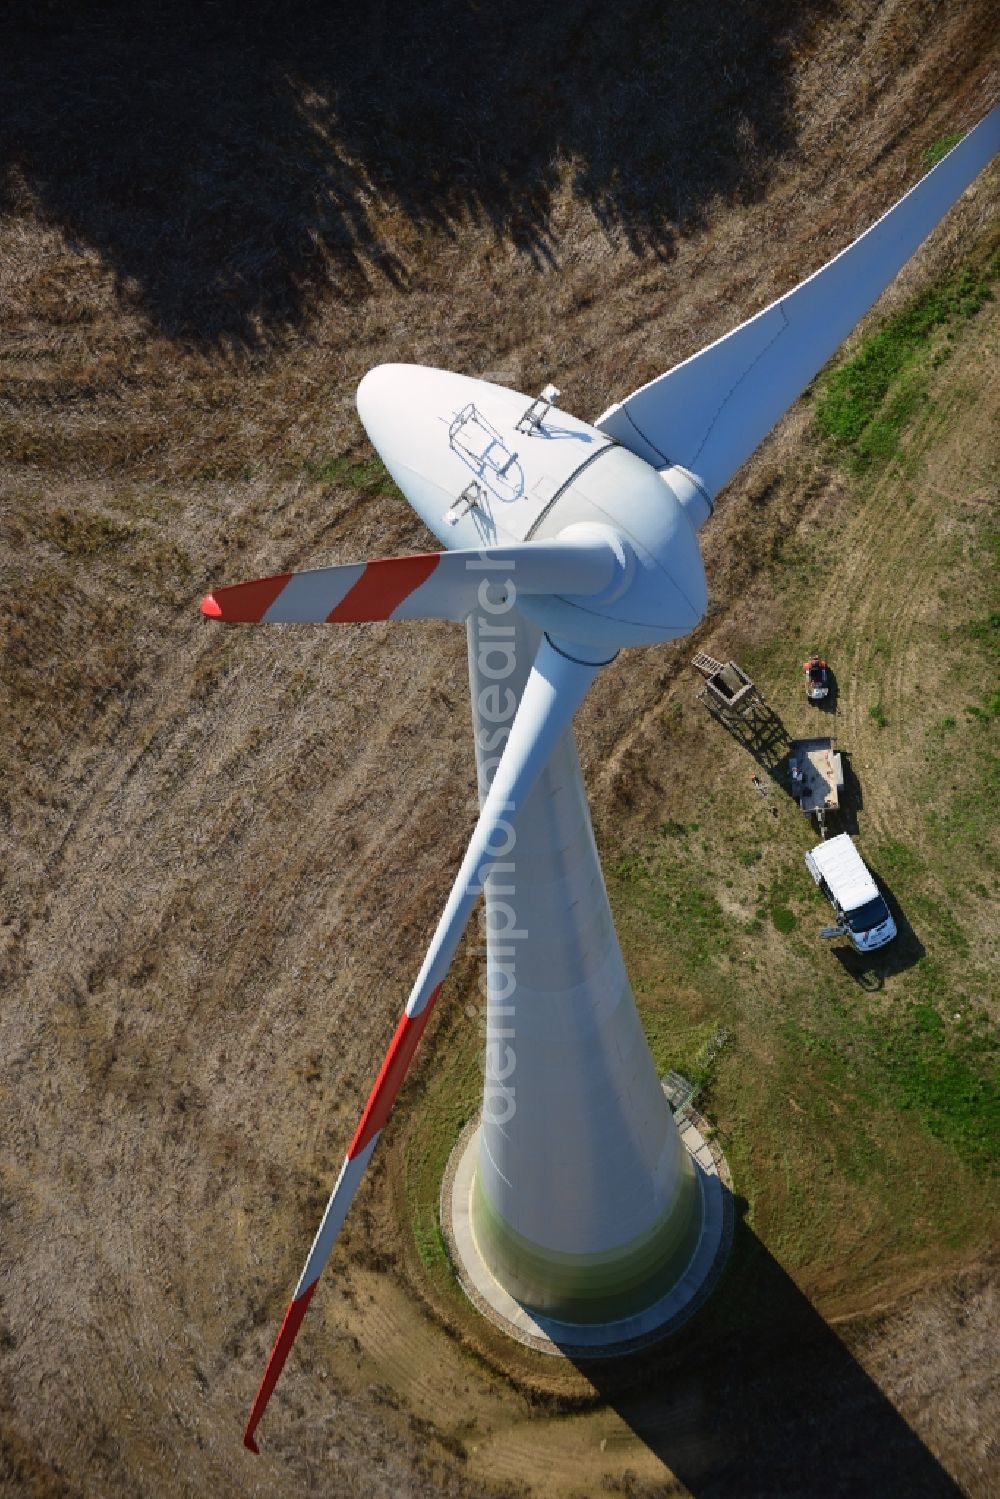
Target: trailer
816	771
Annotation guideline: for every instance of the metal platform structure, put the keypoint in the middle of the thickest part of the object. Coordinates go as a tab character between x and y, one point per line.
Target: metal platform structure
735	701
728	689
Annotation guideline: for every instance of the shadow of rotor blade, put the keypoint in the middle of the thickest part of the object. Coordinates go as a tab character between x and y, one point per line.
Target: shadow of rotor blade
229	163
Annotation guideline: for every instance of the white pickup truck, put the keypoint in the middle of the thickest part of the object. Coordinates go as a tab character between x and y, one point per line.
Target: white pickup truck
842	875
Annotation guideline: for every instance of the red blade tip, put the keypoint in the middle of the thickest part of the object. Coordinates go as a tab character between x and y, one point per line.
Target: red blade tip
286	1337
211	606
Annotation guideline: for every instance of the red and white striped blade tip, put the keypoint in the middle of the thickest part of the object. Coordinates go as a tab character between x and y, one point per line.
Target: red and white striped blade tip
294	1314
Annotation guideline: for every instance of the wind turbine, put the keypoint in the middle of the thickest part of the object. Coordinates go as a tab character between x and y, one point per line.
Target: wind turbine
579	538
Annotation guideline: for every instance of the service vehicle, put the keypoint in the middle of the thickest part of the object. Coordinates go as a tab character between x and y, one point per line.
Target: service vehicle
845	880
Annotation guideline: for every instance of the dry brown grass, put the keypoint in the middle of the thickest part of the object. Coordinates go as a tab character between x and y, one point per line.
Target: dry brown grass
222	851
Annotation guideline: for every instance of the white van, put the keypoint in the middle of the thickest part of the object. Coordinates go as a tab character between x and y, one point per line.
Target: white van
842	875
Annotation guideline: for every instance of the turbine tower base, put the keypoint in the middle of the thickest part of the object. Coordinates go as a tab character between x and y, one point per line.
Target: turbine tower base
609	1339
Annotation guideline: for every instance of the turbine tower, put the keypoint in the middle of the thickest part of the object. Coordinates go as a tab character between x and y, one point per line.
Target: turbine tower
583	537
585	1206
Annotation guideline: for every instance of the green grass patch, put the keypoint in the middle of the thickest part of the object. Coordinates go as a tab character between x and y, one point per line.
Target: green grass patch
783	919
878	714
898	861
696	1060
936	152
430	1243
986	632
865	404
942	1073
660	883
988	710
80	533
673	829
450	1091
948	1080
369	476
959	825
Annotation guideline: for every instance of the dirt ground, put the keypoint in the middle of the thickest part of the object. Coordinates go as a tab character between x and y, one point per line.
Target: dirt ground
223	851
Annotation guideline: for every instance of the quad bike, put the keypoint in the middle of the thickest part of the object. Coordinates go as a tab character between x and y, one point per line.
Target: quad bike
817	675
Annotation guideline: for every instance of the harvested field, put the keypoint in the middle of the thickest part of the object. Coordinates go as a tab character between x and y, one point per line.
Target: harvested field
223	851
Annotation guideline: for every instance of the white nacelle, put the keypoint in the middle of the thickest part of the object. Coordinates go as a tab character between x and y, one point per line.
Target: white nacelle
477	478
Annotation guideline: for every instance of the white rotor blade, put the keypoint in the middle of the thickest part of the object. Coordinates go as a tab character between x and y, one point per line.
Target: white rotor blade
710	413
431	585
555	688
